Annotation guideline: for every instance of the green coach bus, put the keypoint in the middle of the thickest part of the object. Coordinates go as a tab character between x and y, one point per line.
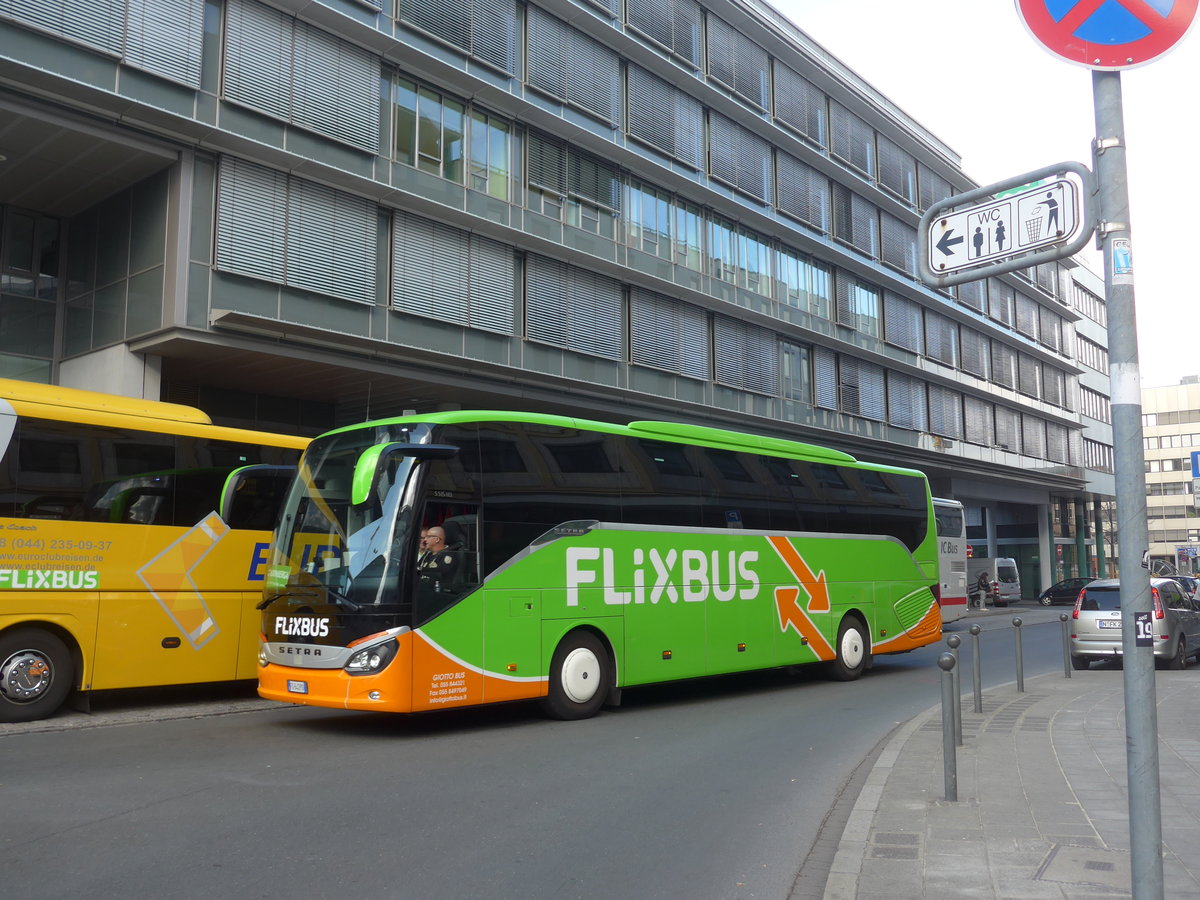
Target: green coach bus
581	558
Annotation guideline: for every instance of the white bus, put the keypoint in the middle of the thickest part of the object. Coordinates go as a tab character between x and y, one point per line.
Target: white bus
951	589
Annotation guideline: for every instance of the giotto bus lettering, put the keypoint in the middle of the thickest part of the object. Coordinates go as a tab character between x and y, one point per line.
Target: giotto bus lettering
299	626
656	576
49	580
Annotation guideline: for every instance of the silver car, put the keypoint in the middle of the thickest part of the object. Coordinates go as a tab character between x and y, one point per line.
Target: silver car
1096	625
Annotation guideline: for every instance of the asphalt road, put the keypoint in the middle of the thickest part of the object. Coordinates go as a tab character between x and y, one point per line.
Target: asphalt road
709	789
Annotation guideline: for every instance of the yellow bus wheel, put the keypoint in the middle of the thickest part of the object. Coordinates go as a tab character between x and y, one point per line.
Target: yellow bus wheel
35	674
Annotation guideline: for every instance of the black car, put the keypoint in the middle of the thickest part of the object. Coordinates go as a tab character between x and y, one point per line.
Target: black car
1066	591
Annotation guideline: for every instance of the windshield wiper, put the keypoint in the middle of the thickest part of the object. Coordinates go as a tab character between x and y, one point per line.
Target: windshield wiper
267	601
342	600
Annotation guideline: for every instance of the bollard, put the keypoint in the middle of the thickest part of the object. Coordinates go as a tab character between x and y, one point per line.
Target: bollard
977	668
946	664
953	641
1020	655
1062	617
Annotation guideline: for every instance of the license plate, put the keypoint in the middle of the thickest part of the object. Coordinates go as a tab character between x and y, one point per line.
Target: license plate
1108	623
298	687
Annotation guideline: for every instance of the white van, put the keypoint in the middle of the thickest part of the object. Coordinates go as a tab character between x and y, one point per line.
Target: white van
997	576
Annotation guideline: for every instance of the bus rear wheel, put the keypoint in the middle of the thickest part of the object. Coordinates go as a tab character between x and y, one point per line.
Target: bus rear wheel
579	677
35	675
852	651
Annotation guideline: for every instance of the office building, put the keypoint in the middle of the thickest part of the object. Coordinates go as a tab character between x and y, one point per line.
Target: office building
300	214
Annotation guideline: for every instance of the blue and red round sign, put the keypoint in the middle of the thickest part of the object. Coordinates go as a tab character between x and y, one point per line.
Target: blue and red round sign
1108	34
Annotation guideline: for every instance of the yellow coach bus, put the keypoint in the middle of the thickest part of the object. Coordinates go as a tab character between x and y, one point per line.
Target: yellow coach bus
133	544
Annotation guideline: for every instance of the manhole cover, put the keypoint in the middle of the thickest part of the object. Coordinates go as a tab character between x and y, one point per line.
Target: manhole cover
1086	865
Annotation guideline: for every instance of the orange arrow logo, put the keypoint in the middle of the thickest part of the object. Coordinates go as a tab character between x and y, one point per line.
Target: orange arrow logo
169	578
790	612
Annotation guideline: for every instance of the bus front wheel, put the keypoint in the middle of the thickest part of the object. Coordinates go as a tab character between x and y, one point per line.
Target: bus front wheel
579	677
852	651
35	674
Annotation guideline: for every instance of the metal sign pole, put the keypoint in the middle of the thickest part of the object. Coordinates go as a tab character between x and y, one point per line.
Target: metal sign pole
1141	715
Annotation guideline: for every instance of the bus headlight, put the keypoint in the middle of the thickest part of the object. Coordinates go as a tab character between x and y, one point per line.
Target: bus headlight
370	660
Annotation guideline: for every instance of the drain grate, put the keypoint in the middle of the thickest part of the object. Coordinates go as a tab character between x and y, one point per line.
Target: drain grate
1066	864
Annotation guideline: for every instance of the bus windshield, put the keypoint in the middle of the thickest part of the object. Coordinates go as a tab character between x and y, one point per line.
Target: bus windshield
346	556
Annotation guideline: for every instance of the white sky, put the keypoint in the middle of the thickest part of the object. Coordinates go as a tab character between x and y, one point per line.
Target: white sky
970	73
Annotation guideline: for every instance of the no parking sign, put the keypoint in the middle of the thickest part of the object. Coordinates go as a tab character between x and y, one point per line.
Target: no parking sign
1108	34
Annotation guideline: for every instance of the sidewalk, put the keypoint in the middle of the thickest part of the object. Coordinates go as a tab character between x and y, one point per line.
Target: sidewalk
1042	808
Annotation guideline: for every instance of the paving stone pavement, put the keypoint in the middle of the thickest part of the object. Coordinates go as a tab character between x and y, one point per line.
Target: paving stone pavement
1042	809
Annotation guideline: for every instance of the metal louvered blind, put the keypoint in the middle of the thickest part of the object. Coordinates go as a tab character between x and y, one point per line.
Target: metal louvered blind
1027	316
862	388
1004	365
739	158
668	334
547	163
331	241
571	66
1049	327
573	308
897	170
800	104
746	356
673	24
851	139
902	322
941	338
424	254
932	187
336	88
486	29
1033	436
973	294
594	180
738	63
1000	301
1029	375
258	58
825	381
945	412
165	37
802	192
906	402
978	421
97	23
855	220
1054	385
294	231
976	352
491	285
899	243
251	220
665	117
1056	442
1008	429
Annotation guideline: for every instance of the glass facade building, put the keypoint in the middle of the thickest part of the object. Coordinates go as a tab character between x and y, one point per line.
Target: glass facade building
301	214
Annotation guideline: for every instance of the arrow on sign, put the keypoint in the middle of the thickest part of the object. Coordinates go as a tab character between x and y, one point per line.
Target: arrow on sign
946	242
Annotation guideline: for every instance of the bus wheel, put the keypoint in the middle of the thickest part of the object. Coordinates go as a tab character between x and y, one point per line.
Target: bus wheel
852	650
35	675
579	677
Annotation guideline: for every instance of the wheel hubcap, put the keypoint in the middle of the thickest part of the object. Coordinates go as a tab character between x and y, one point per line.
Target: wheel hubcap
852	648
25	676
581	675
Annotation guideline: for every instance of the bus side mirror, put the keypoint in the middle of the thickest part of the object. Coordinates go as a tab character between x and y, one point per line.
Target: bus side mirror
253	495
375	459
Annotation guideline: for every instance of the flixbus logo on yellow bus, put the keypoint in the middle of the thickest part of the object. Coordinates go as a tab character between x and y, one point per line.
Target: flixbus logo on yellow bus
49	580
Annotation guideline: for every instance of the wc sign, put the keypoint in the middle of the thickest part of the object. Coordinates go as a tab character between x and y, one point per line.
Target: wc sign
1010	225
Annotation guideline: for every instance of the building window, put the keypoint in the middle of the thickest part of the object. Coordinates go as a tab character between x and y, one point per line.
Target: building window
801	105
746	356
738	157
722	249
429	130
573	308
675	25
797	379
852	139
802	192
665	118
569	65
804	282
668	334
858	305
648	220
907	403
738	63
941	338
491	155
754	262
897	171
855	221
566	184
687	235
